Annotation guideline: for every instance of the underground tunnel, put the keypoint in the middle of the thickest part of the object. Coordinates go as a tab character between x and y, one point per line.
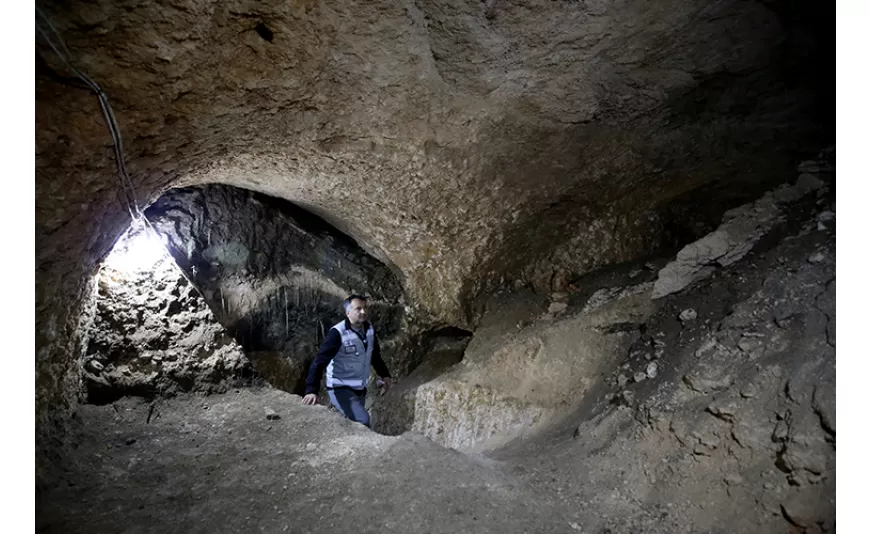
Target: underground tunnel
224	287
598	242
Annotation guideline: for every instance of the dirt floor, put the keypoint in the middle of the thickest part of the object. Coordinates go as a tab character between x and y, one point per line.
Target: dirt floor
218	464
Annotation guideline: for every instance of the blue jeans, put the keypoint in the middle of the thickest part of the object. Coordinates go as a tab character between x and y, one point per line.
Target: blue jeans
351	403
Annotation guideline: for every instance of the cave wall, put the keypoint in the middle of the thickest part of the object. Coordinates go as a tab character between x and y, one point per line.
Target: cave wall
526	366
275	275
149	333
537	356
701	384
455	126
723	411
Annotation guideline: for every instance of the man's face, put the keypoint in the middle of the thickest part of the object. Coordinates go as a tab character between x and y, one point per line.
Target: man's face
358	312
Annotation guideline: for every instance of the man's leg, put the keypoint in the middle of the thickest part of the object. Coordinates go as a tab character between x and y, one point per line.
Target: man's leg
351	404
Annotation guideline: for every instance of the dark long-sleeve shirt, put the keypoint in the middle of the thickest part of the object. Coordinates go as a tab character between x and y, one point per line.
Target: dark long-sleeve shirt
327	352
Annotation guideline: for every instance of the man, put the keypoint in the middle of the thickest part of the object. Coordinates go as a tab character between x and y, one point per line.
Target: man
348	351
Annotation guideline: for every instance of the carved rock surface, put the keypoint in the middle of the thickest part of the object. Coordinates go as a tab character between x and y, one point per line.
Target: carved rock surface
468	144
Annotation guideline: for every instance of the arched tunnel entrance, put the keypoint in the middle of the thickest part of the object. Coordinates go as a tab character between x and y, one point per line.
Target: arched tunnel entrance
247	292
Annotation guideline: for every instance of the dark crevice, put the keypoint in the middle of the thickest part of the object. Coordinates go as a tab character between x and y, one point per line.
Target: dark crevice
264	32
451	331
627	327
824	424
823	312
441	348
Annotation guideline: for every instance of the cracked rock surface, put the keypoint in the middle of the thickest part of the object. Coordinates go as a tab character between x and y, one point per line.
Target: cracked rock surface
736	432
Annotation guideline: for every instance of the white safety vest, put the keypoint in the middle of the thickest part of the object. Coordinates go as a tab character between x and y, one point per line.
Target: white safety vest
351	365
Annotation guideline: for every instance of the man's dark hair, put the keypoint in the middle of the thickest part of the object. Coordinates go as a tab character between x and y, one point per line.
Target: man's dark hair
350	299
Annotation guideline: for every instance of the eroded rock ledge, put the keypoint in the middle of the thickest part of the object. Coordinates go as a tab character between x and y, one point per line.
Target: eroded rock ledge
701	385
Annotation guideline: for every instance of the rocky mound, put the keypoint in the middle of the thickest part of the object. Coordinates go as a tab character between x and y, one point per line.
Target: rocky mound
690	394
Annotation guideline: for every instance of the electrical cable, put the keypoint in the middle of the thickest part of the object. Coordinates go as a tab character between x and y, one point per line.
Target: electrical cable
62	52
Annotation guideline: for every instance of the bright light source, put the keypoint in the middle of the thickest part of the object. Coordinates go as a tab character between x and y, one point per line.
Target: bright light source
140	249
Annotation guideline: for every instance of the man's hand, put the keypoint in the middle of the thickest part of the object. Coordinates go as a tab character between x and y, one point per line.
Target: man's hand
309	399
388	383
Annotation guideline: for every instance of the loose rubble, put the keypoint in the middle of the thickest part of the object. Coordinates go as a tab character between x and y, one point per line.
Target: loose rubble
150	333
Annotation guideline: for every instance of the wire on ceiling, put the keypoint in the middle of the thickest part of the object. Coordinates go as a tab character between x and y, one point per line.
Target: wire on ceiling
52	37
